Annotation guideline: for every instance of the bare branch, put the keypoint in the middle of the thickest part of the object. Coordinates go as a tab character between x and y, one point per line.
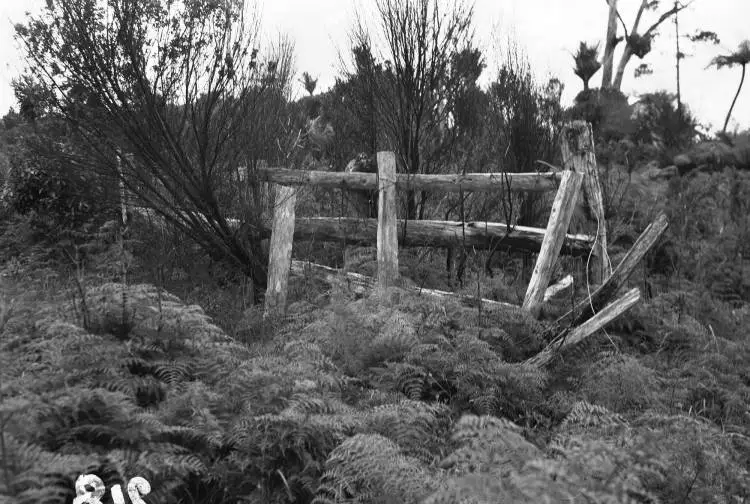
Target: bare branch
671	12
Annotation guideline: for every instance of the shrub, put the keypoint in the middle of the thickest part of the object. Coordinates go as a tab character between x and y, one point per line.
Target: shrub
42	181
607	110
657	121
620	383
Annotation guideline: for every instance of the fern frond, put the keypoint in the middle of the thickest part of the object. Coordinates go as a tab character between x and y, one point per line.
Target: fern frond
402	377
370	465
485	442
415	426
584	415
172	372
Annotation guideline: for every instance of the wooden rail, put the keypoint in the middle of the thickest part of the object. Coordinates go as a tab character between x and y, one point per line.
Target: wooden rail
359	283
431	233
520	182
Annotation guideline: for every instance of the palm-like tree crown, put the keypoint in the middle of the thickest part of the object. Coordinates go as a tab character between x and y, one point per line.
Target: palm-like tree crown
739	57
586	62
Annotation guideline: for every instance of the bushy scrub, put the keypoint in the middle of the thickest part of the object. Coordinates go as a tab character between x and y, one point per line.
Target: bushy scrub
43	182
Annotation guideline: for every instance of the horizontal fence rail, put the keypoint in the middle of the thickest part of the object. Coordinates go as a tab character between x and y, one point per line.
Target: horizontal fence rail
519	182
426	233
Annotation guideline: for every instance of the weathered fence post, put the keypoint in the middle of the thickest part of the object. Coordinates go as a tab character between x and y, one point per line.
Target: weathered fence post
592	325
577	148
280	253
596	301
387	235
557	228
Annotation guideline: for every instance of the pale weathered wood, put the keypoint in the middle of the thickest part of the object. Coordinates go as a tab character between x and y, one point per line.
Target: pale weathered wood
556	290
577	147
362	283
528	182
557	227
280	253
601	319
620	275
479	235
387	221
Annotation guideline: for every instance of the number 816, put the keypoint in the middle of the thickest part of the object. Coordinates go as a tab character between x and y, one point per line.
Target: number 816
137	487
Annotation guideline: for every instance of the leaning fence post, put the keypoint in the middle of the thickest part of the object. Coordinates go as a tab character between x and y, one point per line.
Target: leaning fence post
577	148
387	225
557	228
280	253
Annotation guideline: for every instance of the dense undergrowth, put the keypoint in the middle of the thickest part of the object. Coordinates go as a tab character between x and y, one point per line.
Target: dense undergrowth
390	398
126	355
138	351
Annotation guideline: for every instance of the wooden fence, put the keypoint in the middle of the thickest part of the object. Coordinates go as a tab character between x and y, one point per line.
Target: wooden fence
579	171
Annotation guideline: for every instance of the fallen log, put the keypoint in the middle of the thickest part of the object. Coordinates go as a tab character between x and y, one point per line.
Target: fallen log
578	334
481	235
619	276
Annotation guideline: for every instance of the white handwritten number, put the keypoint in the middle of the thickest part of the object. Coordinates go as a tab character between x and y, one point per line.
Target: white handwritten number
137	487
83	496
117	497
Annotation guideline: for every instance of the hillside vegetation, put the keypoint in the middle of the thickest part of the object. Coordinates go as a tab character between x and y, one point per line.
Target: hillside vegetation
133	268
390	398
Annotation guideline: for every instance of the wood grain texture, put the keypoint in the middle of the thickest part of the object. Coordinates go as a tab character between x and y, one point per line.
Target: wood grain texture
577	148
578	334
479	235
557	228
619	276
387	237
528	182
280	253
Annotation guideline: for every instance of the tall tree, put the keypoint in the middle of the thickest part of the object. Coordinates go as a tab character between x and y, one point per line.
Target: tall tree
178	85
610	42
636	44
739	57
419	39
678	55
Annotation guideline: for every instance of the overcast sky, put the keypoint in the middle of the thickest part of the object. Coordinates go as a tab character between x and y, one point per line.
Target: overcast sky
548	30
